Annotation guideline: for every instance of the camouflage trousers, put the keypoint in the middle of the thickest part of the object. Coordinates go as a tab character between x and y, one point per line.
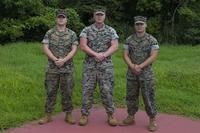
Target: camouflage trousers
55	81
105	80
132	97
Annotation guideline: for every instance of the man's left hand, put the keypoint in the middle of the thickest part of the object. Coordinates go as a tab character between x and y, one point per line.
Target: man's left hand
137	69
60	62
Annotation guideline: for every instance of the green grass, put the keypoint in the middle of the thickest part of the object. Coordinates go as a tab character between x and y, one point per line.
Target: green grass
22	93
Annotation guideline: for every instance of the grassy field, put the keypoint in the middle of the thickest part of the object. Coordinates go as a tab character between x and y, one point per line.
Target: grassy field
22	93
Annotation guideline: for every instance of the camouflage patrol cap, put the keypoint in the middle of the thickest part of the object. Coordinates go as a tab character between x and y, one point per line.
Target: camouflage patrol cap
61	12
100	11
140	19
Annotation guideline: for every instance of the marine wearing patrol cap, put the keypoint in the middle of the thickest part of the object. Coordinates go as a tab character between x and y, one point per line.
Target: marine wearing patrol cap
140	19
99	11
61	12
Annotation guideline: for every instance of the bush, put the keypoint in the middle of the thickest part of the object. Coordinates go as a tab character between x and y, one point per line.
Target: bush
10	30
34	28
123	29
192	35
189	30
153	26
74	21
20	9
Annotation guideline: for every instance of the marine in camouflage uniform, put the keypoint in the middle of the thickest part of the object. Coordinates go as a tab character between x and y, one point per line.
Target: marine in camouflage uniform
99	40
139	51
60	45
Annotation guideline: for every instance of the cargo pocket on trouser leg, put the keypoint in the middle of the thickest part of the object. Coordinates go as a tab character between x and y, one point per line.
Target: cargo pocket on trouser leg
51	86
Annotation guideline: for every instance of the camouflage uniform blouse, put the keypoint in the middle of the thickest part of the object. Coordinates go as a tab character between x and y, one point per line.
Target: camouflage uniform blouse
139	50
99	40
60	44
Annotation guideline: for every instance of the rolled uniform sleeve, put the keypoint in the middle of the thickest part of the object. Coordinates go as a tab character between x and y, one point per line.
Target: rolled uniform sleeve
46	38
125	46
114	35
155	47
154	44
75	39
83	33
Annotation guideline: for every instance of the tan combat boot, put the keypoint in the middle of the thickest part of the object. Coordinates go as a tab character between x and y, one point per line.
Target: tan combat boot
69	118
152	125
83	120
112	120
46	119
130	119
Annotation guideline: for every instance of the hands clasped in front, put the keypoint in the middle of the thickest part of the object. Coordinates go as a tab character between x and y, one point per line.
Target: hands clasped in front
136	69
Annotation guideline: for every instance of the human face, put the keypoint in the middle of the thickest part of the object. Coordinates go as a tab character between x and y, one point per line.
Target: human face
61	20
99	17
140	27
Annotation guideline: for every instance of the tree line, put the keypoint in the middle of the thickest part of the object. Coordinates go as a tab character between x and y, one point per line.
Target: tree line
171	21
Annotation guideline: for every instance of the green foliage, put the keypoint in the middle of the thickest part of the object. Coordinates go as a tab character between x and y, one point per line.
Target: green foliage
123	29
10	29
74	21
179	20
148	5
51	3
34	28
188	14
154	26
193	35
20	9
189	31
37	26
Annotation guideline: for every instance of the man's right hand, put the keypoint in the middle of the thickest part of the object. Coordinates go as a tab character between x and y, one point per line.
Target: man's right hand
135	69
60	62
99	57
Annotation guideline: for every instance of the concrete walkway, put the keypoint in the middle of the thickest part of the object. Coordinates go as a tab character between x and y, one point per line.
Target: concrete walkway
97	124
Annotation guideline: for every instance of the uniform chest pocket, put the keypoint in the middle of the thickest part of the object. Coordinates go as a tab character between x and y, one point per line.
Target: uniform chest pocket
146	48
67	45
134	48
53	42
66	40
106	37
91	37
